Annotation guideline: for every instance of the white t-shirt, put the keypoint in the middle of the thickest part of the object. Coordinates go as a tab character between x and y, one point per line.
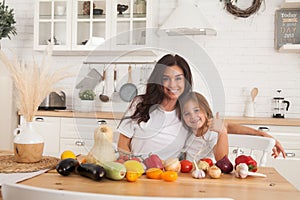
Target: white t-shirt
201	147
163	134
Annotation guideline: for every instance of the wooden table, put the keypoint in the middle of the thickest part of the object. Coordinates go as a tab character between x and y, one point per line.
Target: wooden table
273	187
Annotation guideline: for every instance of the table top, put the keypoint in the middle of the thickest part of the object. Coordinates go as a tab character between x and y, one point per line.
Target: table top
273	187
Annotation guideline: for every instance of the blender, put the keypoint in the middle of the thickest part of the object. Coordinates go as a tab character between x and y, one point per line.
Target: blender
280	106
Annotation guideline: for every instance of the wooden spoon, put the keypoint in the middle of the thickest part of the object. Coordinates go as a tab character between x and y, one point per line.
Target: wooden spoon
254	93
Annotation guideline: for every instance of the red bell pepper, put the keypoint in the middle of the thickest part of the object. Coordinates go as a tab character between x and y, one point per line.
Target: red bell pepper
252	164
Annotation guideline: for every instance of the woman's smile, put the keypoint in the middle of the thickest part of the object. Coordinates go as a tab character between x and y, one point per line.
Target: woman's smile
173	82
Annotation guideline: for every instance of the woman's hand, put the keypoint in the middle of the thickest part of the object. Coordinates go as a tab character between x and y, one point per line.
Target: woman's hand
124	143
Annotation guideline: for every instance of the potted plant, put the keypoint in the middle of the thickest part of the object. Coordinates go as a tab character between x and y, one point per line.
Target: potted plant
87	100
7	22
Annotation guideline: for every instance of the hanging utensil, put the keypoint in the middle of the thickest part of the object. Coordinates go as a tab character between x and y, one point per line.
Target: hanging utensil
102	96
254	93
115	97
128	91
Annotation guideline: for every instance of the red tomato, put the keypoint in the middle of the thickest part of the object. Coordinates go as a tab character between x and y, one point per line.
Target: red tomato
208	160
186	166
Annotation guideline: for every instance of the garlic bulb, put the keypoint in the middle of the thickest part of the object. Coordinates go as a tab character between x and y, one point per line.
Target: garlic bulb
241	170
198	173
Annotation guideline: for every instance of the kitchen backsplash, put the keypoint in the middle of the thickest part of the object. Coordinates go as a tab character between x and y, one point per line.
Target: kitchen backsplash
243	53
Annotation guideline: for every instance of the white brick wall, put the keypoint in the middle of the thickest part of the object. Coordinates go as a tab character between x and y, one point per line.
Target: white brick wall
243	52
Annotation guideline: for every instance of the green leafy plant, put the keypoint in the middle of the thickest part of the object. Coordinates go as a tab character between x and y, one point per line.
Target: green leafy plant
87	95
7	21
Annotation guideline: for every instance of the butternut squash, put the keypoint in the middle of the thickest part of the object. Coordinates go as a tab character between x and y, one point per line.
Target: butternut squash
102	150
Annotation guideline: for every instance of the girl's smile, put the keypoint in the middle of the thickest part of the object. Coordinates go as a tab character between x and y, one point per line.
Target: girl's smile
193	116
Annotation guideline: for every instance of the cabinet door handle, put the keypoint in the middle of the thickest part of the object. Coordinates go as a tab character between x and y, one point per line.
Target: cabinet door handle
264	128
39	119
79	143
101	122
238	151
290	155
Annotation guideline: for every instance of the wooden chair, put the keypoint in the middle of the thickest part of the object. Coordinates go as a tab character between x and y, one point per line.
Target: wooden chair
256	146
19	191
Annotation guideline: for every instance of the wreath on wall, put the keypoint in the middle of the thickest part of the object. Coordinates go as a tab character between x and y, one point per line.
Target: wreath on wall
230	6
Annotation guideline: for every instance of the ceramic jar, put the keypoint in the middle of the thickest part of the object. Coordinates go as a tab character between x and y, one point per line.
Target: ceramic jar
28	144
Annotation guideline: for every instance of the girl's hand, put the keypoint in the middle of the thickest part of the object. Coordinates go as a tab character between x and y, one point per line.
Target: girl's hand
216	124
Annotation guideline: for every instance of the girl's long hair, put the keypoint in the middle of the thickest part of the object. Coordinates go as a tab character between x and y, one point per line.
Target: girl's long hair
155	90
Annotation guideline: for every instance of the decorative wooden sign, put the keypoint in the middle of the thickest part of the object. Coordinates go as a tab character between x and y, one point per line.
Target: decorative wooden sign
287	27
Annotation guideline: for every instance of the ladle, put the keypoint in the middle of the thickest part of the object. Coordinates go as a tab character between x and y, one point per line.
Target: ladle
102	96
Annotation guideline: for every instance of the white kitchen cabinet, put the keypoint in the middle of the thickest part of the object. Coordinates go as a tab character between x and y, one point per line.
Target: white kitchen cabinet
49	128
77	134
75	25
289	137
52	24
62	133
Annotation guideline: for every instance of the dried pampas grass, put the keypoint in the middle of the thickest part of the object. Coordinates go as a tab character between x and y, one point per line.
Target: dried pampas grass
33	82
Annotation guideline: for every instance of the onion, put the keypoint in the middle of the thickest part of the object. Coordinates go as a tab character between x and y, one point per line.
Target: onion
172	164
225	165
214	172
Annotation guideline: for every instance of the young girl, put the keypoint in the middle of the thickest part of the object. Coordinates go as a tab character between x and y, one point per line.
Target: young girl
209	138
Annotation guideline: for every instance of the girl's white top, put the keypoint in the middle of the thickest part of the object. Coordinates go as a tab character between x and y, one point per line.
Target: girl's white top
201	147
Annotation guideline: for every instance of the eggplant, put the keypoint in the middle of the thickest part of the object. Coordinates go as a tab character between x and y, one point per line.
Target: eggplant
67	166
90	170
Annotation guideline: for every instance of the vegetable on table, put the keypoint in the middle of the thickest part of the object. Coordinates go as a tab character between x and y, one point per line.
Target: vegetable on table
225	165
102	150
214	172
154	173
153	161
90	170
132	176
172	164
203	165
114	170
241	170
169	176
251	163
134	166
67	166
198	173
208	160
186	166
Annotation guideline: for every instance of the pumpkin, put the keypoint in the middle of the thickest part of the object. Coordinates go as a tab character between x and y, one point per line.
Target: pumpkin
102	150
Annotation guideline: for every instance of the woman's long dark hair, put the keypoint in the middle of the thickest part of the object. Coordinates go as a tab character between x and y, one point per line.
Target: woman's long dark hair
155	90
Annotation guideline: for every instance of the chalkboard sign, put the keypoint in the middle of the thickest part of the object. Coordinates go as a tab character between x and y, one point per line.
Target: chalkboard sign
287	27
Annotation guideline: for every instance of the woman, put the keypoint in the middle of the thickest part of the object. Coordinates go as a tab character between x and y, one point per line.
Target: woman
152	123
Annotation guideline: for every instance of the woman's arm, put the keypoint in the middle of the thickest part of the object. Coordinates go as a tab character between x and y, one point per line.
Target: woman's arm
124	143
221	148
239	129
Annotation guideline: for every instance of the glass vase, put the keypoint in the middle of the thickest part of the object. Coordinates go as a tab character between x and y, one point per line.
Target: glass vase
28	144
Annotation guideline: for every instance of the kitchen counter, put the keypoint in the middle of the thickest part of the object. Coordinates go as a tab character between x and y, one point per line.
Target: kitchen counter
116	115
273	187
